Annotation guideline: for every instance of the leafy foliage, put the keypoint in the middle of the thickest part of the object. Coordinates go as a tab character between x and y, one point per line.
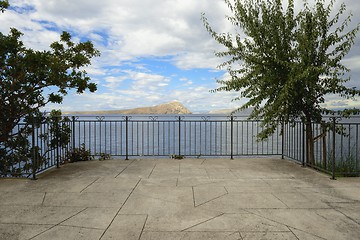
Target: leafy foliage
104	156
79	154
178	157
20	155
287	63
29	80
4	5
59	130
25	75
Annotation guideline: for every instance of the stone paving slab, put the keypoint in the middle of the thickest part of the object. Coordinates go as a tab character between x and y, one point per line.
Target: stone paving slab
126	226
74	185
69	232
96	218
191	235
86	199
37	214
21	198
202	195
21	231
242	222
322	223
236	202
193	199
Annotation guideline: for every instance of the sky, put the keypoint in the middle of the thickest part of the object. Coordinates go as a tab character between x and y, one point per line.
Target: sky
152	51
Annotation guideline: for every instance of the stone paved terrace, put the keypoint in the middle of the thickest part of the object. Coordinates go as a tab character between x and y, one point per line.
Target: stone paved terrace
245	198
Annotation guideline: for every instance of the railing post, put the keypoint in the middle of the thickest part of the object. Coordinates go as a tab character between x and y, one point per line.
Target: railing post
57	122
179	136
282	138
127	137
34	162
304	145
231	137
73	132
333	152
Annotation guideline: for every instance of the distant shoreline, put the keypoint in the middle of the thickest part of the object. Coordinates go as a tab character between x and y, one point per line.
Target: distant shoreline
116	112
166	108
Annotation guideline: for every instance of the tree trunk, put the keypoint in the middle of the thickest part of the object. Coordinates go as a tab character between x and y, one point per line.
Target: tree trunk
310	158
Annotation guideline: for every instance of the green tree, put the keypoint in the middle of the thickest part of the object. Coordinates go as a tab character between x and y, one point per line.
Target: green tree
287	63
29	80
4	5
27	74
322	43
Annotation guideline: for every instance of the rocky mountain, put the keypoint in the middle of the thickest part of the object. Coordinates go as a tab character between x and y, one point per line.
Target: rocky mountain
166	108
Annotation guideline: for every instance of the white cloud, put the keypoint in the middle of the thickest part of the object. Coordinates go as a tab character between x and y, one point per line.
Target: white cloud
147	80
353	63
113	82
151	43
128	30
191	60
197	99
334	101
132	27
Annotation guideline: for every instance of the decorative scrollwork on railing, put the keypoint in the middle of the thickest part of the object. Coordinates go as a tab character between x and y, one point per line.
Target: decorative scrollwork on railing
335	119
126	118
231	117
205	118
153	118
100	118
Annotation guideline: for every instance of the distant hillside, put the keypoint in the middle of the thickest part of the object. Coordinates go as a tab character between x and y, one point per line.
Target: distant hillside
166	108
245	112
222	111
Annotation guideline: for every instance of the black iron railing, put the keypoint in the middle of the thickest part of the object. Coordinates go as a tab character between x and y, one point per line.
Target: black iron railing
175	135
38	148
336	145
336	152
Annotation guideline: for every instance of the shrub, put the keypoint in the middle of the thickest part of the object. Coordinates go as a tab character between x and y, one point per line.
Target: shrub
104	156
79	154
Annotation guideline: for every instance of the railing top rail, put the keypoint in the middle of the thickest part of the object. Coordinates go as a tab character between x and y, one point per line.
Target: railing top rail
159	117
355	120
